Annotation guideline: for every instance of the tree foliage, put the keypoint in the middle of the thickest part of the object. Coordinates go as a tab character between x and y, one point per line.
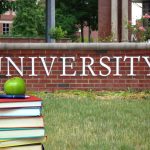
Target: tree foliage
6	5
70	16
77	13
29	21
65	19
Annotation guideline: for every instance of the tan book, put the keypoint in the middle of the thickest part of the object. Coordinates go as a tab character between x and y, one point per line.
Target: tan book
21	122
27	147
21	133
19	142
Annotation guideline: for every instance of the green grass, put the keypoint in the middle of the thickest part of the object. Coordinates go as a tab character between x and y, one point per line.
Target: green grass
76	120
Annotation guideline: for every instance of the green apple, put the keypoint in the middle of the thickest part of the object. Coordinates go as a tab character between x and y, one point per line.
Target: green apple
15	86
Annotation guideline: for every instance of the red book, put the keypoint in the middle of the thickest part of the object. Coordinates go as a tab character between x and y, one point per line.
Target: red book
31	101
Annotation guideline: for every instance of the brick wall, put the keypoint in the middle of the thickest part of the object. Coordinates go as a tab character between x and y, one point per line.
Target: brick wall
21	40
57	82
104	18
30	40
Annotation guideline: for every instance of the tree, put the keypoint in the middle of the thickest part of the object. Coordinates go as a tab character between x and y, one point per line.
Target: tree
81	13
67	22
65	18
70	16
77	13
86	12
5	5
29	16
92	17
41	23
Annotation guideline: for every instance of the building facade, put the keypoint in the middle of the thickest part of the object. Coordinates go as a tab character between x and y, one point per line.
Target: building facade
6	21
113	17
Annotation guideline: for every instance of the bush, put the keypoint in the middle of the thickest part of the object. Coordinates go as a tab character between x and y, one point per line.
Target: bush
141	30
57	33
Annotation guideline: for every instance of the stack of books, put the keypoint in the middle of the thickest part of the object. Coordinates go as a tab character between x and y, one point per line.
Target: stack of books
21	124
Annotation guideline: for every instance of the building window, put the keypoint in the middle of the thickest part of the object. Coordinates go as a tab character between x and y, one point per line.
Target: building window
5	28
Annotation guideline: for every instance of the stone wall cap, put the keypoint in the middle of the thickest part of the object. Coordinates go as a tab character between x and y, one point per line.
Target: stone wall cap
75	46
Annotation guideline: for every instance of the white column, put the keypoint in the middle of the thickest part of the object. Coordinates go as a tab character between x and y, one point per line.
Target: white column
114	19
125	4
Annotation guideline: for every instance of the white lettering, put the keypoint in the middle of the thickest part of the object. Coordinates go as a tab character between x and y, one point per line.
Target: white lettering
132	63
117	66
1	64
147	61
33	66
89	66
9	61
45	66
67	66
105	66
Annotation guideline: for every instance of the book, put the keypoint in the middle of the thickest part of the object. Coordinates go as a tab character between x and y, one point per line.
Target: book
26	147
21	122
9	134
19	142
29	99
16	103
31	111
20	104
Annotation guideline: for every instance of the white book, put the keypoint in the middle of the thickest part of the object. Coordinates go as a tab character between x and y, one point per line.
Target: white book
20	112
21	122
21	133
21	104
27	147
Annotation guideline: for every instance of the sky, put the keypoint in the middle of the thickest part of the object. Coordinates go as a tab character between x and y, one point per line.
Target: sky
136	12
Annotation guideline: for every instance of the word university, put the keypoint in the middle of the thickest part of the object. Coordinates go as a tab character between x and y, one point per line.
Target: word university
74	66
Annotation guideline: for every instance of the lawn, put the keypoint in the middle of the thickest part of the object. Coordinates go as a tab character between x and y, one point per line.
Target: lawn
76	120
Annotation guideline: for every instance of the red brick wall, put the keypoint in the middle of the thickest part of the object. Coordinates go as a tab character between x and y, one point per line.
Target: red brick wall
104	18
7	17
21	40
57	82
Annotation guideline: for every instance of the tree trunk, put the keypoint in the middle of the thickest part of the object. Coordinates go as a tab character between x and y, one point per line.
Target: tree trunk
82	32
89	32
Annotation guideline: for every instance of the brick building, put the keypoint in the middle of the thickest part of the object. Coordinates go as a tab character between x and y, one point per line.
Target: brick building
6	21
114	15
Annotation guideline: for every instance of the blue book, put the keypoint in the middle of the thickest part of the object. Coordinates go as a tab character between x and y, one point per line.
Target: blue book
24	112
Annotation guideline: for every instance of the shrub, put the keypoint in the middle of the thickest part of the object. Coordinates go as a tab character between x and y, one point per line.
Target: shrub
141	31
57	33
